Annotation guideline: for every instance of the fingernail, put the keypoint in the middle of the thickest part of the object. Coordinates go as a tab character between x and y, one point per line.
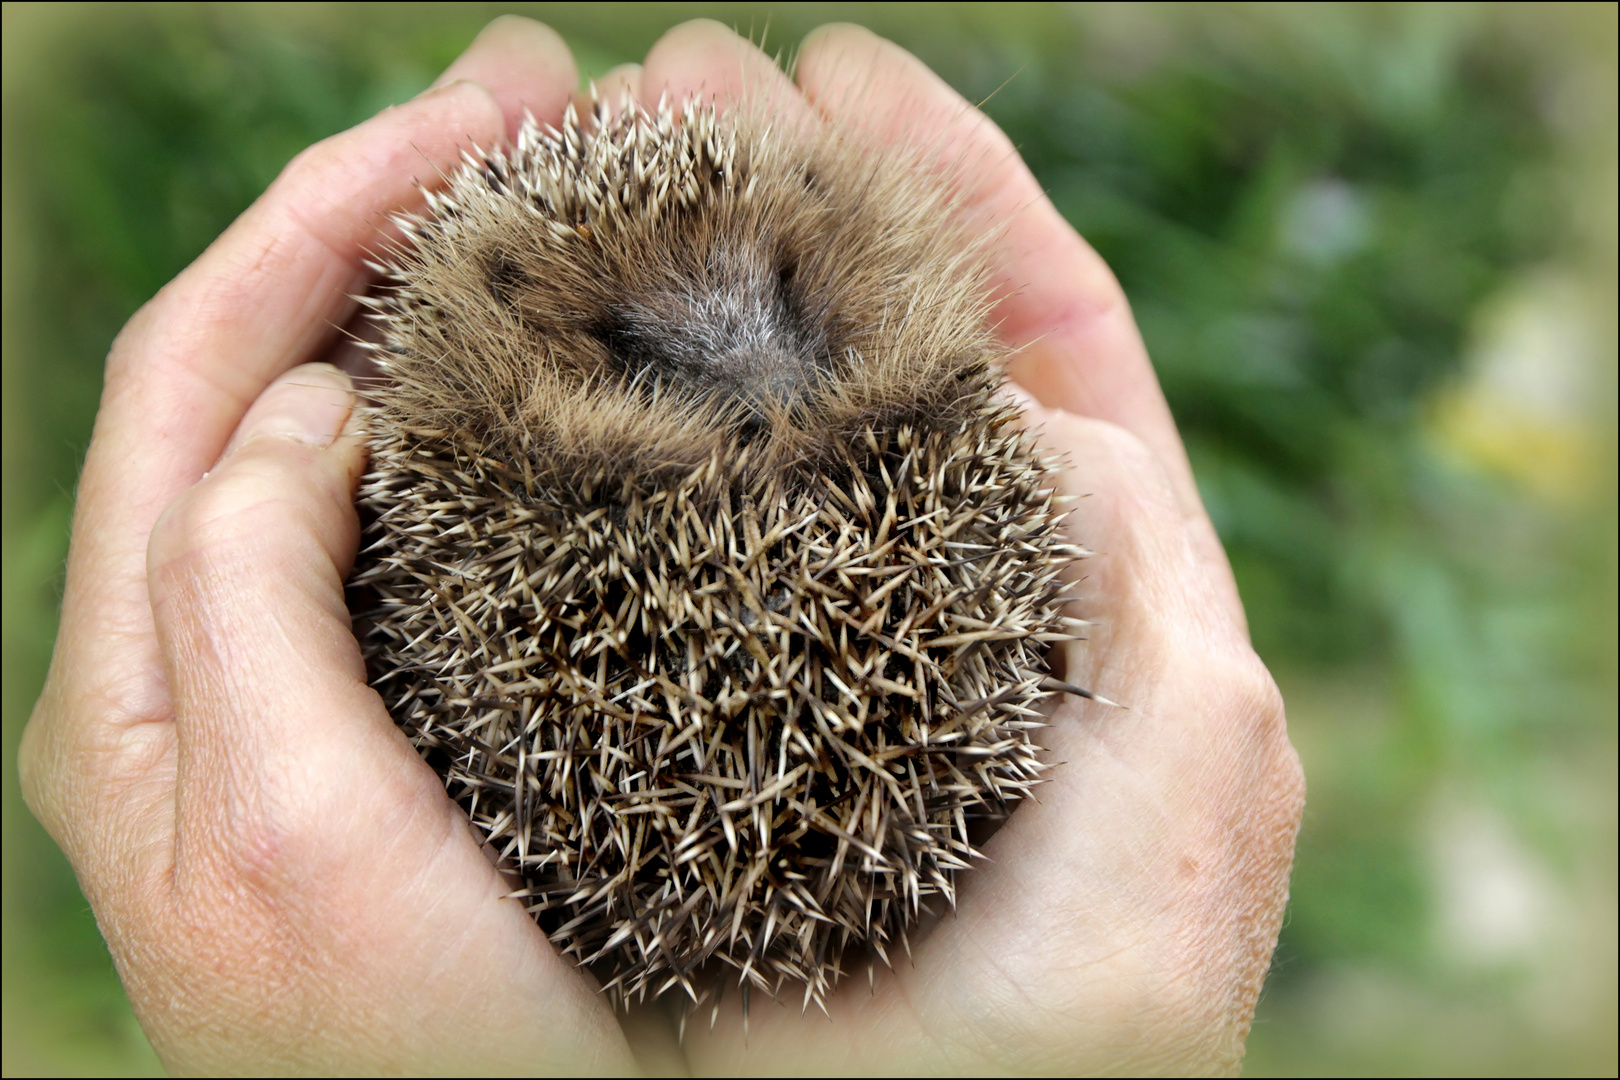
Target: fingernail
310	404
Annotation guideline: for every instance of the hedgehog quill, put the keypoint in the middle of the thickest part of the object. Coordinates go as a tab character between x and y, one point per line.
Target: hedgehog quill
702	558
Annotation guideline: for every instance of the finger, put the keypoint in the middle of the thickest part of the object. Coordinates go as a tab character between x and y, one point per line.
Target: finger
1059	306
524	64
310	404
261	299
704	60
246	578
1147	568
612	91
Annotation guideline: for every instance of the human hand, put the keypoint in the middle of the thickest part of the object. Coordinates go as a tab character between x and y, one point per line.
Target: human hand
281	880
284	884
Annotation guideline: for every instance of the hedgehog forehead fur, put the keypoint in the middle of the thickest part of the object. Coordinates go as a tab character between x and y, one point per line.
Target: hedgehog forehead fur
736	274
703	561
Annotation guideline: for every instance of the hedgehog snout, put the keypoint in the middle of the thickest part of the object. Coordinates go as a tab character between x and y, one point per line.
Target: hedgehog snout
739	339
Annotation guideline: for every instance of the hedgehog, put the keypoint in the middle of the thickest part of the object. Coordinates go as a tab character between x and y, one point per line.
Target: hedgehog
703	557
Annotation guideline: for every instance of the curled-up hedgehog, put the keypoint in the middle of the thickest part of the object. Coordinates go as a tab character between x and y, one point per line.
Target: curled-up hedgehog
703	559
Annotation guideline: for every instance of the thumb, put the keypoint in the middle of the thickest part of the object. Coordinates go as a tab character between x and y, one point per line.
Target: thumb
341	900
245	574
292	464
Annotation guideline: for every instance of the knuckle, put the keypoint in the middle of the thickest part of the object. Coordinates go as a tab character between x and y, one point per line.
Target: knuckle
253	849
1139	517
1257	694
264	852
272	856
227	516
1256	704
1122	444
1126	454
1254	700
34	775
311	164
124	356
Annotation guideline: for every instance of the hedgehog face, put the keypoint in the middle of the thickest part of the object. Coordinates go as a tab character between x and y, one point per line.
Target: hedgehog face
702	560
702	314
726	325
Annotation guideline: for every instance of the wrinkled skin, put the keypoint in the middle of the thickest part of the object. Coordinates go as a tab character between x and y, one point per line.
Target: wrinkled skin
285	886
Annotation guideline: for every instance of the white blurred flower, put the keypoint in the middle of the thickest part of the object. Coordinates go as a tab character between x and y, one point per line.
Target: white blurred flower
1327	221
1495	900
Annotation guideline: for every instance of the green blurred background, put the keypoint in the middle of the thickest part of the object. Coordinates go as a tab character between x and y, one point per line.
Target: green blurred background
1373	251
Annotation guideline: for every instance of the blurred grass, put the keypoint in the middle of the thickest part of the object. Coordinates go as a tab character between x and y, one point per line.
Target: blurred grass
1372	250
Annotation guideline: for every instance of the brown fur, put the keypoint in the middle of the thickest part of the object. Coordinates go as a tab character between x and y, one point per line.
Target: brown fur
537	307
703	561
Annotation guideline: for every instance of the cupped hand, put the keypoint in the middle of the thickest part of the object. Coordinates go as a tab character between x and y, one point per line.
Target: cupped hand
285	886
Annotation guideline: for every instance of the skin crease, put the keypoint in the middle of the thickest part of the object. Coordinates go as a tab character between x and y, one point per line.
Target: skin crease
285	886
